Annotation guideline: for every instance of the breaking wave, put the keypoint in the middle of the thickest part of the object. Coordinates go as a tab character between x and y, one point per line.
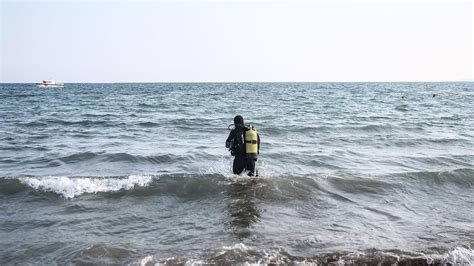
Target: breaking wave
243	254
214	182
70	187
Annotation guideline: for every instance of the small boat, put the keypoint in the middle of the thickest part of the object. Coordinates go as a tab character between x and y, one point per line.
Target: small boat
50	84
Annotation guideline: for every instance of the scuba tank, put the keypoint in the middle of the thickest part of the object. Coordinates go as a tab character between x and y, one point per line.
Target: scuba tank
251	143
245	141
245	144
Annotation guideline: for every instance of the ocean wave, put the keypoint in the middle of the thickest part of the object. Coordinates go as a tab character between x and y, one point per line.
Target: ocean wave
84	123
461	177
133	185
212	183
99	115
402	108
148	124
77	157
458	255
119	157
33	124
178	185
392	183
361	185
109	255
146	105
244	254
454	256
339	128
69	187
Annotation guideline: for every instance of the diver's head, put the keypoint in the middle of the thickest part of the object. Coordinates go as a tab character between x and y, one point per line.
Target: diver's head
238	121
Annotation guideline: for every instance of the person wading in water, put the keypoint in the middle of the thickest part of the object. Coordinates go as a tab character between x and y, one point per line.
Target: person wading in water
244	144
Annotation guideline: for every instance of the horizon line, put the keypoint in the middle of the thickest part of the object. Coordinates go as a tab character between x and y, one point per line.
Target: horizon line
190	82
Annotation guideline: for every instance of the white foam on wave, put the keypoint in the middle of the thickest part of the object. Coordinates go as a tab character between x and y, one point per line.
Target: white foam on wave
223	166
71	187
148	260
459	255
247	255
238	246
456	256
252	255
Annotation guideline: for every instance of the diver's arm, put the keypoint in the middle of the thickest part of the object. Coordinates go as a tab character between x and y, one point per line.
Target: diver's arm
229	138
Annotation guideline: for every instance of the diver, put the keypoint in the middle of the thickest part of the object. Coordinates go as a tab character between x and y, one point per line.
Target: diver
244	144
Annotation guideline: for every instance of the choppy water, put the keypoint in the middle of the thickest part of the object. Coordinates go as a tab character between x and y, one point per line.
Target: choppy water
137	173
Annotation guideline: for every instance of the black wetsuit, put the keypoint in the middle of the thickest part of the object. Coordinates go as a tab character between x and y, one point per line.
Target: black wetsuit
241	162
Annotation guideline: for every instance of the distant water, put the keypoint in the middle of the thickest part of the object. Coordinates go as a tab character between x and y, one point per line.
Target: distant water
138	173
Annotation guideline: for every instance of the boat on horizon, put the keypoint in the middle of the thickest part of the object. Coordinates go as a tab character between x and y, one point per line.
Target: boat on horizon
50	84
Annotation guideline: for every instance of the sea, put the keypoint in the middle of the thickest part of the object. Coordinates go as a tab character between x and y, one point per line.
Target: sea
138	174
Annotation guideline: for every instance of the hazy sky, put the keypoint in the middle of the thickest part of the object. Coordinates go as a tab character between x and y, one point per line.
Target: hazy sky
163	41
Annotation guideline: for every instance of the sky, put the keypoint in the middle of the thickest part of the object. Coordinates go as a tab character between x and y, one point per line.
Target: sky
236	41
